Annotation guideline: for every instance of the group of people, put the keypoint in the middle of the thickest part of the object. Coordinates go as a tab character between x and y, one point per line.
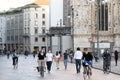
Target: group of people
85	57
79	56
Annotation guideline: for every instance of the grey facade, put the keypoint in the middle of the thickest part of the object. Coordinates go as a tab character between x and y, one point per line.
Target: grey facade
14	30
66	13
100	24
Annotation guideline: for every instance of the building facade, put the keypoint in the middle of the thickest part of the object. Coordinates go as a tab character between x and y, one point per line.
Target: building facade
96	23
26	28
14	30
36	26
2	32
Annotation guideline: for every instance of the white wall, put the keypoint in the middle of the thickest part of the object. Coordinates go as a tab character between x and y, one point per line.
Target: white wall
56	11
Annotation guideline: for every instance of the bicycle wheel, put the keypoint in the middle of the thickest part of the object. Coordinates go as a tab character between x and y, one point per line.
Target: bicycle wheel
42	71
88	73
85	73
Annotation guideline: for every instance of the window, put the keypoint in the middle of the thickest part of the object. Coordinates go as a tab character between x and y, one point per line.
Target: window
36	23
43	30
36	30
43	39
0	39
103	17
36	39
16	38
36	16
43	23
43	16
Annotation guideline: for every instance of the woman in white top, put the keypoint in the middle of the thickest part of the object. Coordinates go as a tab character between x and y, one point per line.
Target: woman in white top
57	56
49	59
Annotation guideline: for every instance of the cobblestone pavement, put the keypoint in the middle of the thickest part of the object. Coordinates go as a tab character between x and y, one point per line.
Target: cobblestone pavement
26	71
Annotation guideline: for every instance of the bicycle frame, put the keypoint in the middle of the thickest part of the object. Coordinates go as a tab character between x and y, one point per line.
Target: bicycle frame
41	68
86	73
15	62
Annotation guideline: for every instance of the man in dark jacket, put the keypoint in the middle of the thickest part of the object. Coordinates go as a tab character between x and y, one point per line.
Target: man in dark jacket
106	59
87	59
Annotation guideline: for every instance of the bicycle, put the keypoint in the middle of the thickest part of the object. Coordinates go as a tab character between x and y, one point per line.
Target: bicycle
15	62
106	67
42	69
86	72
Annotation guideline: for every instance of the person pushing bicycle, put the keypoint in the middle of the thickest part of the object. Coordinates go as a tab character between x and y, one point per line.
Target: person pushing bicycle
106	60
87	59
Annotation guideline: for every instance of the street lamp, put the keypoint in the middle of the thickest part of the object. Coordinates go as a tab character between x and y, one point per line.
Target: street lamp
99	20
71	16
60	34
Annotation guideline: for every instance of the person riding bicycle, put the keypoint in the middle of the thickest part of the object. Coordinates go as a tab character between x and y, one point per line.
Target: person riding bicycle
106	59
14	58
87	59
41	58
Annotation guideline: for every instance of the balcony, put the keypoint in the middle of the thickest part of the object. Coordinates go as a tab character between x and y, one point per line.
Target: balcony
26	34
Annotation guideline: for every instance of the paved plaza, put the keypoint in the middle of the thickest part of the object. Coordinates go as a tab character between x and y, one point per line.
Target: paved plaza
114	69
26	71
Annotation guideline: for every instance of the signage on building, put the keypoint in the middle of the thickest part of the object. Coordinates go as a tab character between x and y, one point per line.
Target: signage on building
90	39
103	45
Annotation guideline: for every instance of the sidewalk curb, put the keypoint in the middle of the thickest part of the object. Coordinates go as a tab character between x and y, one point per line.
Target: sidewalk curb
110	71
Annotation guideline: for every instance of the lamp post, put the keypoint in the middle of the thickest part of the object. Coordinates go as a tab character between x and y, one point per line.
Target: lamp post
99	20
98	25
71	16
60	34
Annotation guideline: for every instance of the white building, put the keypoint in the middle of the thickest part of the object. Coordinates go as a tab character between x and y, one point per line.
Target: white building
36	25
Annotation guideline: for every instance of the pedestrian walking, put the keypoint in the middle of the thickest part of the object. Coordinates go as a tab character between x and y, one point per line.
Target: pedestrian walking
78	56
71	55
34	53
116	57
65	55
8	54
49	59
96	56
57	59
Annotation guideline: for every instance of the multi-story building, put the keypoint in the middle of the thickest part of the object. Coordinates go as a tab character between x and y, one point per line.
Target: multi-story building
2	32
14	29
36	26
96	24
26	27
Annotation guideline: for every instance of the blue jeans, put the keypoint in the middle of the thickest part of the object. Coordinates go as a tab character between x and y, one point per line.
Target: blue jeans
78	65
65	63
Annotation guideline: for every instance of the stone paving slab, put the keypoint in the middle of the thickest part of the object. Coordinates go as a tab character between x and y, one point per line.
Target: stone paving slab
26	71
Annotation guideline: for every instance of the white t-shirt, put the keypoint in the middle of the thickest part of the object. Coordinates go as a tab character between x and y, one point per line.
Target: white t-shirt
78	55
49	57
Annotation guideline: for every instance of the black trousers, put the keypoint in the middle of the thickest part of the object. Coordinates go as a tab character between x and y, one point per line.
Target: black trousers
49	64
